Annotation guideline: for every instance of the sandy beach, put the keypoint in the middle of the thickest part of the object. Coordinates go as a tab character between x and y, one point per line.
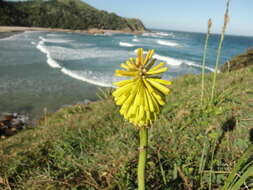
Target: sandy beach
6	29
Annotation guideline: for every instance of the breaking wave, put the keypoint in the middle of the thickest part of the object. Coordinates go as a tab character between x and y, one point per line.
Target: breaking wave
81	77
50	61
98	79
167	43
57	41
158	34
177	62
124	44
164	34
150	34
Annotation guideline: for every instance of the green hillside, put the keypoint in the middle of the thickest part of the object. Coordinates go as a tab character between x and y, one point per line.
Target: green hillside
91	147
66	14
239	61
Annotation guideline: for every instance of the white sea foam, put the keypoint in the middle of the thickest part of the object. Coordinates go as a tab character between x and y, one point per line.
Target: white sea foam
135	40
77	76
55	35
200	66
99	79
162	34
41	47
43	39
58	41
64	54
150	34
104	34
13	37
169	60
126	44
158	34
167	43
54	64
165	34
177	62
108	34
55	40
50	61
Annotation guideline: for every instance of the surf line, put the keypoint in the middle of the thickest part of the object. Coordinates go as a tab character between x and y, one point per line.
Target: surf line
54	64
177	62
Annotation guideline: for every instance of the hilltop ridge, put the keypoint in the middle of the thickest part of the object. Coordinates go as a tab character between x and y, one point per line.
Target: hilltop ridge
65	14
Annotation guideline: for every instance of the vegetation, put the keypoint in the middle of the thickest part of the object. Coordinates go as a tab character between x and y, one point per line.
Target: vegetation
238	62
141	98
209	26
191	146
90	146
67	14
226	19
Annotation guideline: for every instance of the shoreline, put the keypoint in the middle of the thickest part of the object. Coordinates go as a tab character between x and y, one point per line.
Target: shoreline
9	34
34	106
92	31
23	90
30	95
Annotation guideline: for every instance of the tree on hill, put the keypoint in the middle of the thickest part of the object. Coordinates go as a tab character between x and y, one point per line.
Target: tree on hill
68	14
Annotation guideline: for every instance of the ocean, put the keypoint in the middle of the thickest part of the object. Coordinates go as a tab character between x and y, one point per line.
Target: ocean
41	70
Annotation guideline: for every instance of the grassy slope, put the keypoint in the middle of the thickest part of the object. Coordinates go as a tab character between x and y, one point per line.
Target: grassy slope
92	147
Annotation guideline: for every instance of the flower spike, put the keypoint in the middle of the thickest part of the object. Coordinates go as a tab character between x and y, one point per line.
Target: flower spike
141	96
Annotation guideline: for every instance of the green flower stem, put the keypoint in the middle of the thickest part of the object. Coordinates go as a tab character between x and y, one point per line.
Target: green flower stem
217	64
142	157
204	60
226	18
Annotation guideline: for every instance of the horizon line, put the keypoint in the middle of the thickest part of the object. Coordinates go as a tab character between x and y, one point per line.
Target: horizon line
199	32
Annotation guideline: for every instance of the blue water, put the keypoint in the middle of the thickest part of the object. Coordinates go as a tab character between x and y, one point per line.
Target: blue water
93	58
39	62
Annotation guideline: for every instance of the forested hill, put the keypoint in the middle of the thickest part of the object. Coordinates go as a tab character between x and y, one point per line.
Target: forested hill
67	14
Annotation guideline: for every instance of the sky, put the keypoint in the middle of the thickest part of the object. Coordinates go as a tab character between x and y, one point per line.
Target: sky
184	15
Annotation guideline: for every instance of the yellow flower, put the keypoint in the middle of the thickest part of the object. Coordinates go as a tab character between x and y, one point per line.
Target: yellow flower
141	96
